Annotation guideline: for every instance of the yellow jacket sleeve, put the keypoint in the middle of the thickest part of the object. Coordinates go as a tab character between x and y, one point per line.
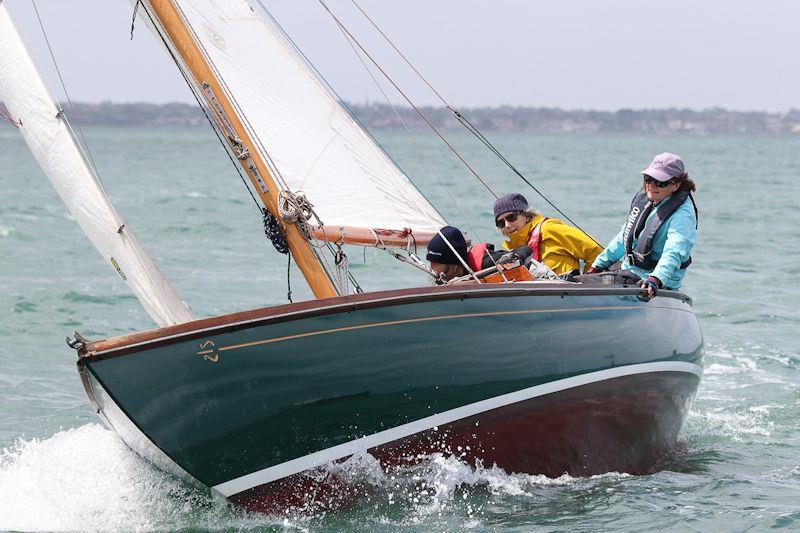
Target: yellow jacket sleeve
566	240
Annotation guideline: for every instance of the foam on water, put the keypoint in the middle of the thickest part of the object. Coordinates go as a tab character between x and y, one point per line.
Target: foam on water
87	479
82	478
738	463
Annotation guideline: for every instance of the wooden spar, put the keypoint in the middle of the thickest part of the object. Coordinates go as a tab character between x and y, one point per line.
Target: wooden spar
189	51
373	236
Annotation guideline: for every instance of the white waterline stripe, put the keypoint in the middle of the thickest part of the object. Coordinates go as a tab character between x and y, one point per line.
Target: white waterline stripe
340	451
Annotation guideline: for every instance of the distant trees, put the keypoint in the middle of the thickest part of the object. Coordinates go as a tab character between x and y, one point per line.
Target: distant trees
497	119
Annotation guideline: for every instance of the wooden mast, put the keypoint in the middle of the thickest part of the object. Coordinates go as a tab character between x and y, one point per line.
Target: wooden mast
261	178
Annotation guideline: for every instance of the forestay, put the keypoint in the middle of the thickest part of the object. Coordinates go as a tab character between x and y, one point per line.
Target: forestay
310	141
28	101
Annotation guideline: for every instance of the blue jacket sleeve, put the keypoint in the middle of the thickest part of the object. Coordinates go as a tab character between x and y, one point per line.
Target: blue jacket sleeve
681	236
612	253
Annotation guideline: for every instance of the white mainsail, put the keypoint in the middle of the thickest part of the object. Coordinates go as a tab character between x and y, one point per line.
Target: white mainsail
28	101
310	141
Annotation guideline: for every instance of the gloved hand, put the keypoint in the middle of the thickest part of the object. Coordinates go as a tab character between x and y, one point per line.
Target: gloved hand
594	270
650	288
510	257
521	254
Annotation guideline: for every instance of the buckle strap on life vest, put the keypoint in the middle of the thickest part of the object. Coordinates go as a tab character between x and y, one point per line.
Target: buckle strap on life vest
642	227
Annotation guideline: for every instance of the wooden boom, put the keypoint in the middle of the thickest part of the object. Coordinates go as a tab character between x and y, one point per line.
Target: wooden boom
185	45
373	236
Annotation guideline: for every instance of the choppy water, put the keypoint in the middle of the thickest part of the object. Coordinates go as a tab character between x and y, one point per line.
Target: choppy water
739	463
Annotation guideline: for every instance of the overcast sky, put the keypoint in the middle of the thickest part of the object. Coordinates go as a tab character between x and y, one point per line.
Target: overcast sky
586	54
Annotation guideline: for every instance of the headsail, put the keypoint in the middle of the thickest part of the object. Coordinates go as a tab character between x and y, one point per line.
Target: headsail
41	123
302	131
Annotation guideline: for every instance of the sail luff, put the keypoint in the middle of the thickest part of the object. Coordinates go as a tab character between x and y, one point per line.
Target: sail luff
180	36
50	140
300	128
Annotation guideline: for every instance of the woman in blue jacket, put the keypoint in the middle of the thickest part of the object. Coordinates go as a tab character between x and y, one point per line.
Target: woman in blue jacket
656	240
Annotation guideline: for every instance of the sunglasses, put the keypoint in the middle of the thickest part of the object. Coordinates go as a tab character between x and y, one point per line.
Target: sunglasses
649	180
511	217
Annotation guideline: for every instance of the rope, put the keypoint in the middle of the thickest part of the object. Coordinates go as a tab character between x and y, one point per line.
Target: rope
83	147
416	143
7	116
386	37
428	162
469	125
341	261
481	137
410	102
294	208
133	18
63	85
289	277
274	231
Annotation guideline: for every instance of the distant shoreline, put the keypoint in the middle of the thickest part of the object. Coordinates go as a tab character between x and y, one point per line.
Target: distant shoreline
380	117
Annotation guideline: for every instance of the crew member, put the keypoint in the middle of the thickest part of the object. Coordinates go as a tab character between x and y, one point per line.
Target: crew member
448	255
547	240
449	265
656	240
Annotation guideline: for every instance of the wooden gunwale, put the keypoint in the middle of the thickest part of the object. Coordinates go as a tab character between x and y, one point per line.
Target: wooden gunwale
133	342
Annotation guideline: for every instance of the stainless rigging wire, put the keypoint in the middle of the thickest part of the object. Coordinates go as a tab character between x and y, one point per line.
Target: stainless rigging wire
330	88
467	124
424	156
64	87
407	99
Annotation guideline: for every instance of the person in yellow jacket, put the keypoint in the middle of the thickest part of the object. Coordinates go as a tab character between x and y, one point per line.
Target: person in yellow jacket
559	246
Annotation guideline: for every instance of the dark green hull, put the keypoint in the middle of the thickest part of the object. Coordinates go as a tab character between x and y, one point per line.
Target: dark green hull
247	403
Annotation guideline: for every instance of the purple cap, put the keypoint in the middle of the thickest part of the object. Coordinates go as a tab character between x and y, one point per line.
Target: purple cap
665	167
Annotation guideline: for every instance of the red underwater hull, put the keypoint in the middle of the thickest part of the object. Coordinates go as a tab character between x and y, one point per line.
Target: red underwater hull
624	424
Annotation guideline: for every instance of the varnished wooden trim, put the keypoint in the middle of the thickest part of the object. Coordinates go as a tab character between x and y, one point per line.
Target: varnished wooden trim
235	321
374	236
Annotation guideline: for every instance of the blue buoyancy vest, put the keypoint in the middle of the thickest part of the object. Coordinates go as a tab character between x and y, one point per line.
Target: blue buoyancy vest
639	227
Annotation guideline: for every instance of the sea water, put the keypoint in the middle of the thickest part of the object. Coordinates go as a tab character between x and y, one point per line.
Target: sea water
737	465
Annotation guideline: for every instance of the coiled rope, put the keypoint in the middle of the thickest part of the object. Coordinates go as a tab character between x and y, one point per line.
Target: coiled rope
294	207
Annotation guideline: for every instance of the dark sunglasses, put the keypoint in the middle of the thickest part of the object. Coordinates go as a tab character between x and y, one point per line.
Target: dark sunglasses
501	221
649	180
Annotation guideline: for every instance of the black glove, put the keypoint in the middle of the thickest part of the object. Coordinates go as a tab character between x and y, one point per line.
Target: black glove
520	254
509	257
650	288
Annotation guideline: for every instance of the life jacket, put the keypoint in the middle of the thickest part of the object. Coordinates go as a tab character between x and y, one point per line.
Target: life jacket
475	255
535	240
645	230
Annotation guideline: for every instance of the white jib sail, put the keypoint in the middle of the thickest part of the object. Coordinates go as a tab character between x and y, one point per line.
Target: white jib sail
28	102
300	127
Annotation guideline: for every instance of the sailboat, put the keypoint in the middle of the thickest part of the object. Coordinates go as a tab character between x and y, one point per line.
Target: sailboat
537	376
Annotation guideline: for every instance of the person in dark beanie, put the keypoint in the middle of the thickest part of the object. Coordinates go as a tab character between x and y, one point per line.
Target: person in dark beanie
547	240
448	261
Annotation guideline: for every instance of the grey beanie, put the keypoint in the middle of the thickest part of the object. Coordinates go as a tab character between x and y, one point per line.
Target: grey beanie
510	203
